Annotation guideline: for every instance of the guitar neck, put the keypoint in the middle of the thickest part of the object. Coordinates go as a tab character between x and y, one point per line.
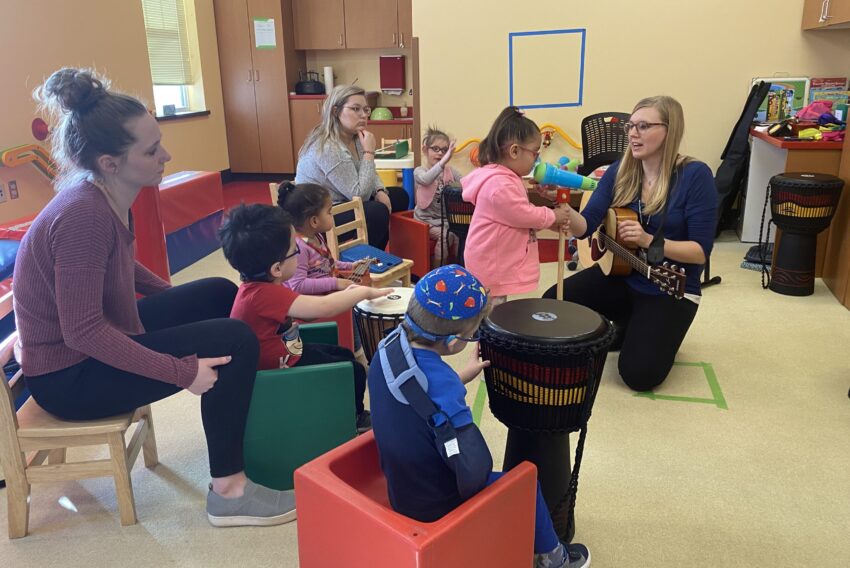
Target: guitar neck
622	252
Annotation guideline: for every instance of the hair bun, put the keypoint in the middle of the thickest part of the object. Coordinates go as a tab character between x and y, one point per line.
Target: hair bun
75	90
283	190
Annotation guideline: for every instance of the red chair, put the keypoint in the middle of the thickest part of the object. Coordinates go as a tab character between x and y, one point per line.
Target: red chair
409	239
345	324
344	518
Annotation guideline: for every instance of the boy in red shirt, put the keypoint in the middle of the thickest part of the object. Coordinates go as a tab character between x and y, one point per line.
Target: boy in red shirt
259	242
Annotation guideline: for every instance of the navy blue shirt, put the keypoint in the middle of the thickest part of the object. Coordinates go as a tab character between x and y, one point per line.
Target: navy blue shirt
691	216
420	485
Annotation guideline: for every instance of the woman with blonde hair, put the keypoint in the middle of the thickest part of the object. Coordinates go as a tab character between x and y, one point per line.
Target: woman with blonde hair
666	190
339	154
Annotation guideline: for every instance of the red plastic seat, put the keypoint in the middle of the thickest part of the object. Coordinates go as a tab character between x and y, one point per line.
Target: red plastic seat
345	519
409	239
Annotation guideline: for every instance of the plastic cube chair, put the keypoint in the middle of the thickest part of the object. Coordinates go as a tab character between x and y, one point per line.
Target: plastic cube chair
298	414
345	519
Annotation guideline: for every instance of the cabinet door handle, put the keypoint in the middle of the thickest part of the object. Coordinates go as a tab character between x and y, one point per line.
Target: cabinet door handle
340	39
250	75
822	12
401	39
826	15
394	39
257	75
318	109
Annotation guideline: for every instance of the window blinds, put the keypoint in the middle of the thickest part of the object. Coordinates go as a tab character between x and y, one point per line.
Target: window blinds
168	44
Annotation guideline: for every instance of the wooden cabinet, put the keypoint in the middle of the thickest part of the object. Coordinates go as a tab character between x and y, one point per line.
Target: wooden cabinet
318	24
405	23
371	23
352	24
836	266
254	83
304	115
826	14
390	131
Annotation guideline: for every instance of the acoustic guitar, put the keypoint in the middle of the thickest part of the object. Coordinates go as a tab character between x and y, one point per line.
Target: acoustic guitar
616	258
359	274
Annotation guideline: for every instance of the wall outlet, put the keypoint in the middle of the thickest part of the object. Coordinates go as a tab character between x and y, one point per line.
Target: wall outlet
13	190
2	193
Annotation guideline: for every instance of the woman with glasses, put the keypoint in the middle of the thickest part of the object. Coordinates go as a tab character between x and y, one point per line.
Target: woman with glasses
339	154
88	348
650	178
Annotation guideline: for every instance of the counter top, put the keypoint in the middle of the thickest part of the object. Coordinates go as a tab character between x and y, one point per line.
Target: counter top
796	144
307	97
393	121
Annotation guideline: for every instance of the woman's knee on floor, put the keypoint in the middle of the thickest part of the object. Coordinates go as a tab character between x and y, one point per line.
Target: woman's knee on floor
642	375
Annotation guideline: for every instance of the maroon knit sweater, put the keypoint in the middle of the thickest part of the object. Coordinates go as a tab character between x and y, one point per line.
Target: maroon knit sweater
75	287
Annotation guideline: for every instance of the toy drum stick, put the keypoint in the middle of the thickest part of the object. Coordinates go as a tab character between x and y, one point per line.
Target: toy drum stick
563	197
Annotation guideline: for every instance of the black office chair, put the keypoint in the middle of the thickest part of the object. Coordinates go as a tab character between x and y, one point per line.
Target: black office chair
603	140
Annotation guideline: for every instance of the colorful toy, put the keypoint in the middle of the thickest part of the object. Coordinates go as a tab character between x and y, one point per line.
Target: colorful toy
548	174
569	164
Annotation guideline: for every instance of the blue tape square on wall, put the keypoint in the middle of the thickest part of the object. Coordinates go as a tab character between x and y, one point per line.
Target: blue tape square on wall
545	39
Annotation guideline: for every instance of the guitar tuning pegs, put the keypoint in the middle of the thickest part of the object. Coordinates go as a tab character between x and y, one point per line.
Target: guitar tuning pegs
674	267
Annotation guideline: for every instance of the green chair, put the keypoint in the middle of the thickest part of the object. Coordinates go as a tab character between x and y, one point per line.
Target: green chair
298	414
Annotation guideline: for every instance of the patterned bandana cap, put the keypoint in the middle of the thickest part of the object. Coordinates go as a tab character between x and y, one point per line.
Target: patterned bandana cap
451	292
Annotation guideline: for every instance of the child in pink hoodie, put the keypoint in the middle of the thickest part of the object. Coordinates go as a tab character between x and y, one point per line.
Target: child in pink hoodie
501	248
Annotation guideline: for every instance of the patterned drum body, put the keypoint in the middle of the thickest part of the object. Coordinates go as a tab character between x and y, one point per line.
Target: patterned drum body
374	319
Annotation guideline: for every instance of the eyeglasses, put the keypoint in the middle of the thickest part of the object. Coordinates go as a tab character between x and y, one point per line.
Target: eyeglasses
357	109
290	255
474	339
439	149
641	126
535	153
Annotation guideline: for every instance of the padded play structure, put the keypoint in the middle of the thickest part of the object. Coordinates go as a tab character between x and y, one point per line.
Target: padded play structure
192	206
344	493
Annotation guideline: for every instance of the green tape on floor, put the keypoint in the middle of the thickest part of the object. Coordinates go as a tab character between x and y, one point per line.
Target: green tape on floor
717	395
478	405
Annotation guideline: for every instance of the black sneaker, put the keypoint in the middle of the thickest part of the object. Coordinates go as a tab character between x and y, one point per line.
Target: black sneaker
364	422
579	556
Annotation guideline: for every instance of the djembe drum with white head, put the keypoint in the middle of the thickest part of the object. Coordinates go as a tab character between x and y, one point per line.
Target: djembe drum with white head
546	360
802	205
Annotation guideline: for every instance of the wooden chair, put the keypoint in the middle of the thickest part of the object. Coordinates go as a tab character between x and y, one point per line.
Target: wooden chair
400	272
31	435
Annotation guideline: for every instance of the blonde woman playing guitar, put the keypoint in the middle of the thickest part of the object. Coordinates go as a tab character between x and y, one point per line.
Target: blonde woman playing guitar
650	177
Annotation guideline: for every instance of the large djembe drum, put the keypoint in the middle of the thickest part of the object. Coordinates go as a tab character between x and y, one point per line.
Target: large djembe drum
802	205
547	358
458	214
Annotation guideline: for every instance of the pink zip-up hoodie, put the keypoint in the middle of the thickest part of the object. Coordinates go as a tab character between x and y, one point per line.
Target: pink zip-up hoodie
501	249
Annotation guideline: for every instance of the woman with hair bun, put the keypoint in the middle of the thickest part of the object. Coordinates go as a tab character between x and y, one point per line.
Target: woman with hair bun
88	349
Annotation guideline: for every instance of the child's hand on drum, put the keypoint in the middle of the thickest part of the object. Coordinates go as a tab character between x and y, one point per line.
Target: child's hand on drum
474	365
370	293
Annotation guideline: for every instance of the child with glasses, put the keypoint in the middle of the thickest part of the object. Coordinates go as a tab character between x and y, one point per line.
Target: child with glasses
501	248
259	242
430	180
427	477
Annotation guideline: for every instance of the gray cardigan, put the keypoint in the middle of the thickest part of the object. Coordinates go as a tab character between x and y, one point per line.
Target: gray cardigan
333	167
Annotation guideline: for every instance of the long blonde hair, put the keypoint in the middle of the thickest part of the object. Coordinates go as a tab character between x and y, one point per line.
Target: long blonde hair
330	128
627	186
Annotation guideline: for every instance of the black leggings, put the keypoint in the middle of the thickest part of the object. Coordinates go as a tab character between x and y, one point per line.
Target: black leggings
377	217
318	353
655	326
184	320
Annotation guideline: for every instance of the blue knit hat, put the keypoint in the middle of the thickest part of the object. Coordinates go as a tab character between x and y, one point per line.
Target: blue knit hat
451	292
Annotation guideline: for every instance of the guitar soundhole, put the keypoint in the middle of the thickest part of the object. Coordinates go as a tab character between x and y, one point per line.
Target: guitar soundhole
597	246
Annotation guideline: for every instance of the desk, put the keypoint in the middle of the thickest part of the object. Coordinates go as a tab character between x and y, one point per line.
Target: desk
771	156
406	165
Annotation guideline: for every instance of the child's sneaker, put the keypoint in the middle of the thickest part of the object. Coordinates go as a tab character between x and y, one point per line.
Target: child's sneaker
572	555
364	422
258	506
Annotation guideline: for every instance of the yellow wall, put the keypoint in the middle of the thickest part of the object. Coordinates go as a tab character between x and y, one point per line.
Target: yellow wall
703	53
362	64
39	36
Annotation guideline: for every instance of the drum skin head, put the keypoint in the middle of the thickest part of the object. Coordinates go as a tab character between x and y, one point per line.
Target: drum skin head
544	320
395	303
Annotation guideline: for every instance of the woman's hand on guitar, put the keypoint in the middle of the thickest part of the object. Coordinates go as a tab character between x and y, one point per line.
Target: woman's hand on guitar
632	233
343	283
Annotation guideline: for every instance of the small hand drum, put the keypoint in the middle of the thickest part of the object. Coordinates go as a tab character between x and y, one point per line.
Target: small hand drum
376	318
